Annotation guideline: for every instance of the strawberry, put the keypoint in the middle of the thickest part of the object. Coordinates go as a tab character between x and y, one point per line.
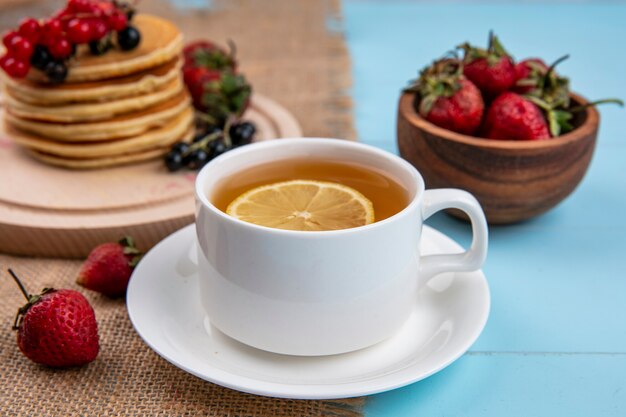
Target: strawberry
194	77
512	116
544	111
491	69
219	95
206	54
550	92
447	99
528	74
109	266
56	328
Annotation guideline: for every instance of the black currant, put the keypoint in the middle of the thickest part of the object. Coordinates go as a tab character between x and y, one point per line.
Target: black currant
128	38
173	161
242	133
213	129
197	159
217	147
180	147
56	71
101	46
41	57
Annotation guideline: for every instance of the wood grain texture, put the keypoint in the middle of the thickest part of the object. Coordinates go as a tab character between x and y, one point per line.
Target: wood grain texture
49	211
513	180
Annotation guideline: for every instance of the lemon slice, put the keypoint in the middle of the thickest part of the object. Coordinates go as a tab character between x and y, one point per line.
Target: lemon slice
303	205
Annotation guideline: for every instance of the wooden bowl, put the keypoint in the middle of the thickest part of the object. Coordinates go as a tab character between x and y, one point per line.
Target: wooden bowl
513	180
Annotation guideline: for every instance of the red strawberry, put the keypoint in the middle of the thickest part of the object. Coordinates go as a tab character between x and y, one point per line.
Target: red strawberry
542	112
57	328
528	74
447	98
195	77
492	70
550	92
218	95
511	116
206	54
109	266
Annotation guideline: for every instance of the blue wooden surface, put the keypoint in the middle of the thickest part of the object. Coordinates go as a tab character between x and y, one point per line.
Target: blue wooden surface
555	343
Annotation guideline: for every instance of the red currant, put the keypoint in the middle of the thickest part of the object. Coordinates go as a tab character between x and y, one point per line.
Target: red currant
61	48
13	67
63	14
106	8
4	62
52	29
29	28
81	6
117	21
98	13
7	39
79	31
99	29
21	69
21	48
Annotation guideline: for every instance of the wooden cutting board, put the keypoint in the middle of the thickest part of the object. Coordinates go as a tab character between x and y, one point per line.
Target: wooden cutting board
49	211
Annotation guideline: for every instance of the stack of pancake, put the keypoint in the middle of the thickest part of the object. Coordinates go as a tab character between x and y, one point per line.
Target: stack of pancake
113	109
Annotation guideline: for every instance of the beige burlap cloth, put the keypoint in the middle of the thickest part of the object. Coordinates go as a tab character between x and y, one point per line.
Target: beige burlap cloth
289	54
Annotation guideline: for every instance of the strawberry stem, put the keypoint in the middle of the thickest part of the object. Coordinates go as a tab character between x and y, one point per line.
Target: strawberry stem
232	48
202	143
206	118
229	122
594	103
554	64
547	83
19	284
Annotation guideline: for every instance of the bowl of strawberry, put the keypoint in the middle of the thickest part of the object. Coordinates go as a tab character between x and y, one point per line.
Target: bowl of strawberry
512	134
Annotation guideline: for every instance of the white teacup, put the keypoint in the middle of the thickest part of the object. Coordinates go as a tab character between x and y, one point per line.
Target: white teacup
321	293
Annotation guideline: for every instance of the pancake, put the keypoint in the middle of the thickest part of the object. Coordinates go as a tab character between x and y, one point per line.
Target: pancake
144	82
107	161
96	163
76	113
130	124
159	137
161	42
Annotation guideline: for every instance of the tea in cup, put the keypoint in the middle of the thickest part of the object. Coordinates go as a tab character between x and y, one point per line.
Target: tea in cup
320	253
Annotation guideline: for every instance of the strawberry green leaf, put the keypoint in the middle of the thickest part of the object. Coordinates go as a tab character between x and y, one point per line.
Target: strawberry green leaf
127	241
497	48
493	54
563	119
559	122
427	104
226	97
537	67
130	251
133	262
129	246
538	102
555	127
526	82
440	79
217	60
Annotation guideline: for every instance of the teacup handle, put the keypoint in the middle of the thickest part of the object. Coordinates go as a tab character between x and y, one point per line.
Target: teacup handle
473	258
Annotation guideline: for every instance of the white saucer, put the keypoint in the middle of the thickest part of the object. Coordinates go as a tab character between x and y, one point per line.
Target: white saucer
164	306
